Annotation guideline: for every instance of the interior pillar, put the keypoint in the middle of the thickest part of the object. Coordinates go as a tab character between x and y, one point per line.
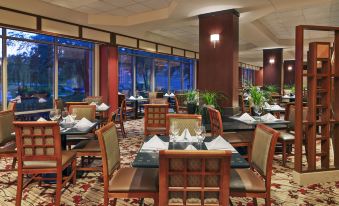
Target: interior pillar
259	77
289	72
218	63
272	64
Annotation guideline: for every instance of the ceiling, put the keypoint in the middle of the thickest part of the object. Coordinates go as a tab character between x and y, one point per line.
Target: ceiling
263	23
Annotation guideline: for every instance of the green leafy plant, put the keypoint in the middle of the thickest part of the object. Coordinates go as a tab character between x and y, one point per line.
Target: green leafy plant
212	98
192	96
257	97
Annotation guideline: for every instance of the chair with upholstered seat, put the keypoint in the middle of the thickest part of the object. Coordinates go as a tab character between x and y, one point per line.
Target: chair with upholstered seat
155	119
118	118
39	152
184	121
11	106
7	140
158	101
181	100
237	139
286	137
194	177
246	182
123	182
69	104
126	110
178	109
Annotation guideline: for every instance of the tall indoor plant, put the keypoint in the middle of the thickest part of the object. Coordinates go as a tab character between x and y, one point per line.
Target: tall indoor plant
256	99
192	98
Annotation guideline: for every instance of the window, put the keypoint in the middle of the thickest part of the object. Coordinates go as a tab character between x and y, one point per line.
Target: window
188	74
30	74
1	106
143	74
161	75
126	74
175	76
74	73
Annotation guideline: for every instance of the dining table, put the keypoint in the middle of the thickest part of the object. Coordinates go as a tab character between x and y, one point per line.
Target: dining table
260	120
136	102
150	158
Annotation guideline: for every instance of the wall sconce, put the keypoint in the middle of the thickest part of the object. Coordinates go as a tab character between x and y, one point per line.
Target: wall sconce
214	38
289	68
272	60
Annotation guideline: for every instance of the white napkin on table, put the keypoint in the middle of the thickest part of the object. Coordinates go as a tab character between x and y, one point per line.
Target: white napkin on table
246	117
69	119
140	97
166	95
155	143
42	100
190	147
268	117
286	96
84	123
277	107
189	137
267	105
103	106
172	95
41	119
220	143
132	97
93	103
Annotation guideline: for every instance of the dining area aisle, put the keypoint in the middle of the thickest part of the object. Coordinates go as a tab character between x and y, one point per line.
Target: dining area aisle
89	189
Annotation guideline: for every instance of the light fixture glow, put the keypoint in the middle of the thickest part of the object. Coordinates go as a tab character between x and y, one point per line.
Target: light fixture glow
289	68
272	60
214	38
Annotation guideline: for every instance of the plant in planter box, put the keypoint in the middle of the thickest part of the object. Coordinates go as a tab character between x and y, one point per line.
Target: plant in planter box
211	99
268	91
192	98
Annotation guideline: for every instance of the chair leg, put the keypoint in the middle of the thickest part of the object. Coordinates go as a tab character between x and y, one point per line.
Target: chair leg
249	152
268	201
255	201
19	189
141	202
284	155
58	188
74	170
123	130
114	201
14	163
156	200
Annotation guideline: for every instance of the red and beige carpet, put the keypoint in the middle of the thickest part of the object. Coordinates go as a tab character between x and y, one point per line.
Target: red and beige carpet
89	191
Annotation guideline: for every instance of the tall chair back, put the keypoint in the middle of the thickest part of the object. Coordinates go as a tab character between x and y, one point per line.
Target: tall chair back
290	115
215	121
184	121
155	118
69	104
6	126
84	111
96	99
158	101
194	177
11	106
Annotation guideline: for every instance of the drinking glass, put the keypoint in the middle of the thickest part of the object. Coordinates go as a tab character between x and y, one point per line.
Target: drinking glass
64	115
74	114
52	115
197	129
201	136
57	114
174	130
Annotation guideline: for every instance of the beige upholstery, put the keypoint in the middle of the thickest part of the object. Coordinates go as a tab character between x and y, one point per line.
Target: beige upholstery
260	150
158	101
38	140
110	138
185	123
11	106
6	126
244	180
289	135
67	156
84	111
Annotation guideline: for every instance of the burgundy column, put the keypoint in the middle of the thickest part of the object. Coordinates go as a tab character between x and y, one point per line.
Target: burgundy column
289	72
109	75
218	67
259	77
272	70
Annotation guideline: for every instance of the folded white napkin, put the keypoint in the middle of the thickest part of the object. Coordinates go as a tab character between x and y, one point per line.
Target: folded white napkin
286	96
69	119
185	137
93	103
267	105
166	95
277	107
190	147
246	117
246	98
84	123
268	117
155	143
140	97
119	93
131	97
42	100
41	119
103	106
220	143
172	95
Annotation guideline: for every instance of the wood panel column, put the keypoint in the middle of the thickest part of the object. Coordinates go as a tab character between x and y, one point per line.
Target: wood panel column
218	66
272	71
109	75
335	104
289	72
259	77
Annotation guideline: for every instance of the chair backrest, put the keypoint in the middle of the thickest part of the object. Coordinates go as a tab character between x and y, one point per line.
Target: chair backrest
155	118
110	151
181	99
68	104
194	177
215	121
11	106
123	110
38	141
264	141
184	121
84	111
158	101
59	104
6	126
177	110
290	115
113	116
120	98
96	99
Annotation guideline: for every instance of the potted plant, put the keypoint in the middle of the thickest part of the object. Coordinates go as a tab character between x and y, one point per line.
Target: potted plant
192	101
256	99
210	99
269	91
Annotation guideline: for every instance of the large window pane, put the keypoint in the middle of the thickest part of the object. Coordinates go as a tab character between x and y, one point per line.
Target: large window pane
74	73
30	74
126	74
176	75
1	105
29	35
143	74
161	75
189	75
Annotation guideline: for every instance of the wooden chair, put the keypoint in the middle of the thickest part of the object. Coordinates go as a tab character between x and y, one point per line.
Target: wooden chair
126	111
118	119
7	140
158	101
68	104
181	98
184	121
39	152
236	139
246	182
123	182
155	119
11	106
178	109
286	137
97	99
194	177
245	105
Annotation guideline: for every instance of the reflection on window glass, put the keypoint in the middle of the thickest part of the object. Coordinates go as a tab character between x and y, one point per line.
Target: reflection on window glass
161	75
175	76
1	105
143	75
74	73
73	42
30	74
126	74
188	76
28	35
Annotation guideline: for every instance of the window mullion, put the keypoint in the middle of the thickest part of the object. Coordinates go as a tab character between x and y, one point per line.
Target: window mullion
4	70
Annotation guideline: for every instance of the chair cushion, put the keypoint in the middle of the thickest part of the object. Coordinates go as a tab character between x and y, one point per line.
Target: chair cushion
134	180
238	137
285	136
67	156
245	180
87	146
8	148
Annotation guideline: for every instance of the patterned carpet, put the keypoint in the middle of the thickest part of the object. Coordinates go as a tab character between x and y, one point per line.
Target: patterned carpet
89	191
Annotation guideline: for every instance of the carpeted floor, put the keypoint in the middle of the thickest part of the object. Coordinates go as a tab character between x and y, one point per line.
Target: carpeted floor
89	191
